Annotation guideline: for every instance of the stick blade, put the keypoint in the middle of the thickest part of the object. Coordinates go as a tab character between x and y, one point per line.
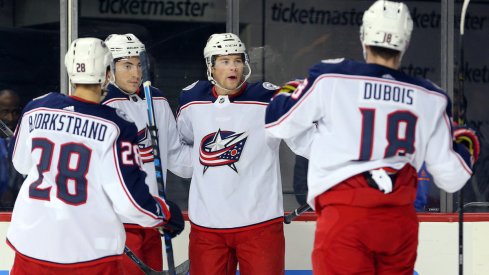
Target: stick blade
181	269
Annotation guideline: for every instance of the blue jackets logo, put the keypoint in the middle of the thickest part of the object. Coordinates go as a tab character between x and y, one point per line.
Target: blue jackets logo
221	148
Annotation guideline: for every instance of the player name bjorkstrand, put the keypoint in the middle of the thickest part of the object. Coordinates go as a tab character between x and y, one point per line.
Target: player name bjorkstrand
84	127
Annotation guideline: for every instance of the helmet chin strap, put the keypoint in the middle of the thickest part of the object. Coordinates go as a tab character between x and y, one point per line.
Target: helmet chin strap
213	81
228	90
104	90
364	52
112	81
124	92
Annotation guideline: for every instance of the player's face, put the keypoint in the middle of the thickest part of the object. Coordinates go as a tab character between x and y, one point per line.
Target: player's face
9	110
228	71
128	74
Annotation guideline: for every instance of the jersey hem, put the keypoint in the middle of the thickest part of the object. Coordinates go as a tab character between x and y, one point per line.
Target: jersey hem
104	259
237	229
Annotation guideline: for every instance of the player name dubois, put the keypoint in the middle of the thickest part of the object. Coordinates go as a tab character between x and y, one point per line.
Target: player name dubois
385	92
75	125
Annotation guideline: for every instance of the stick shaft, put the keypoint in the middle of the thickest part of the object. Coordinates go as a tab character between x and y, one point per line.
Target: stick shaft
459	117
146	269
153	131
296	213
5	129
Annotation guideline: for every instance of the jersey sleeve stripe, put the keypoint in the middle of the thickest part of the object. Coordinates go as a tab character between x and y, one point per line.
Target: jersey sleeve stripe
251	103
191	103
460	159
108	102
124	187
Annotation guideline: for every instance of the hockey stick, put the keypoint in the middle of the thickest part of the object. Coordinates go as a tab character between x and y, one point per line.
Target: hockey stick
182	269
153	132
146	269
459	117
296	213
5	129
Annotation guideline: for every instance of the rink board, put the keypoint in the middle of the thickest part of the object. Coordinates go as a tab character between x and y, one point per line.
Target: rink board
437	251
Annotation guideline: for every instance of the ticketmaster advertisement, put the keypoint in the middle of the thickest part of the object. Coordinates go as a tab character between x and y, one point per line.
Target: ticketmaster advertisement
286	37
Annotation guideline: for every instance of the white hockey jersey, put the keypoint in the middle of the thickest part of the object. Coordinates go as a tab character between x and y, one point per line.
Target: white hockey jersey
174	156
236	179
369	116
83	176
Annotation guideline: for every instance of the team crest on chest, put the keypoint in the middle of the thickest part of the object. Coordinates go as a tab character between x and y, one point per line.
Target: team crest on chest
221	148
145	146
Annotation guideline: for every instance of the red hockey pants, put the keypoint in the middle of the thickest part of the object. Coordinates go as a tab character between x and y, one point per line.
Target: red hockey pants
360	230
146	244
25	266
259	251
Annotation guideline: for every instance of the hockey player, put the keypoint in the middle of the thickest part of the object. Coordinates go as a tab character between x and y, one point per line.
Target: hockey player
363	187
235	201
125	92
84	176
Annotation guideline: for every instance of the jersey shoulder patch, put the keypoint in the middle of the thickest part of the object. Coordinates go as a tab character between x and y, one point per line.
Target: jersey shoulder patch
333	61
270	86
48	100
43	96
332	66
190	86
156	92
433	83
123	115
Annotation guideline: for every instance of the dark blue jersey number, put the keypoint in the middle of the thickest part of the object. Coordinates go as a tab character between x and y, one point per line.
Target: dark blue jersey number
71	181
401	129
43	166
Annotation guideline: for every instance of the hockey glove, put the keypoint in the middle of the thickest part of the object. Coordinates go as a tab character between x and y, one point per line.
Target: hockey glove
176	224
289	87
468	138
379	179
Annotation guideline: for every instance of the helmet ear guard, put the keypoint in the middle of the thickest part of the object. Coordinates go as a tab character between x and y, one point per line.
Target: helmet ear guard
224	44
87	60
387	24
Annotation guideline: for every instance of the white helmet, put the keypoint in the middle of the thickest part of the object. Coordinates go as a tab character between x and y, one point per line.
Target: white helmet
87	60
124	45
224	44
387	24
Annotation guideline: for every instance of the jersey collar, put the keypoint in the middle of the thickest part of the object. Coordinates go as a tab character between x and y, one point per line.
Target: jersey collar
243	88
82	100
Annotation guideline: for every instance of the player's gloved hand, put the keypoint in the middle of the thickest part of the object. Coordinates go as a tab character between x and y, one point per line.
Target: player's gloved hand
381	180
289	87
176	224
468	138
